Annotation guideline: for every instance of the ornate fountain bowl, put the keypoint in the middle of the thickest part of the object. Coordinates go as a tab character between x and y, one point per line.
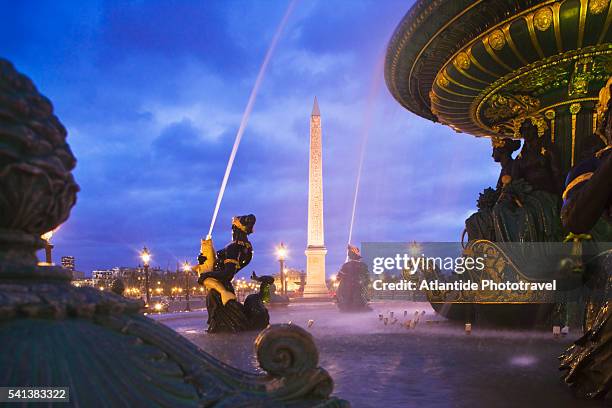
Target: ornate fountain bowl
482	67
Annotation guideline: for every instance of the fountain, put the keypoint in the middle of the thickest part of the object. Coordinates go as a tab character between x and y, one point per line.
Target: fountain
509	71
529	70
99	344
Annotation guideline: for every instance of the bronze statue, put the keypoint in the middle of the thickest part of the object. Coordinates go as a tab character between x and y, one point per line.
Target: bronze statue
225	313
480	225
535	163
525	205
523	208
587	214
502	154
527	209
255	303
353	280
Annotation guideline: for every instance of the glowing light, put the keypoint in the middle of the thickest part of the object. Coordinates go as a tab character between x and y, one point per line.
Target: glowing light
523	361
49	234
145	255
186	267
158	307
281	252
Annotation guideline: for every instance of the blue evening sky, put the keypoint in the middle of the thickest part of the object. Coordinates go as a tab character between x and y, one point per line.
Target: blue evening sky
152	94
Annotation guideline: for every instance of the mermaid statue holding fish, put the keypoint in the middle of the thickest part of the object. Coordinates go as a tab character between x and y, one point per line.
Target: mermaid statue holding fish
225	312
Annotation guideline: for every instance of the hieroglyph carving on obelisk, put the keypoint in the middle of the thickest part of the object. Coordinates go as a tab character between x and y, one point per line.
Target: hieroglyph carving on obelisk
315	252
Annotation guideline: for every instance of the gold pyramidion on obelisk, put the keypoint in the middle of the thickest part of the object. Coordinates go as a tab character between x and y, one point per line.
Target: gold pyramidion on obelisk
315	252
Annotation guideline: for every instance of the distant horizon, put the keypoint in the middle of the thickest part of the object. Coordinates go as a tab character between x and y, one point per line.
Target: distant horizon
177	267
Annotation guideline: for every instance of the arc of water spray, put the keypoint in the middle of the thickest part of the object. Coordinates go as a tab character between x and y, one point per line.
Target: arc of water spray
364	141
357	183
247	112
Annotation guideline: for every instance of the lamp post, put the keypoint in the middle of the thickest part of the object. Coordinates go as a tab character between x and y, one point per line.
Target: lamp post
187	269
281	252
145	255
48	246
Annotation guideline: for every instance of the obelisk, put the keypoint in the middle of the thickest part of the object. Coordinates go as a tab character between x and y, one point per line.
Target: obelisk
315	251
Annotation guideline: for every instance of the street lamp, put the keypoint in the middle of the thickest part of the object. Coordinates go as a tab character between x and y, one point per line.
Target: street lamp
281	252
145	255
48	246
187	269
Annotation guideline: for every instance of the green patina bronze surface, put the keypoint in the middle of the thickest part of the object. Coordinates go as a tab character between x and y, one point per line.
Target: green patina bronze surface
483	67
532	70
521	69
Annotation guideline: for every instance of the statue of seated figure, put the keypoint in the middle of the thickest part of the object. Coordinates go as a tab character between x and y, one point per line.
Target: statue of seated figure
587	214
480	224
353	280
225	313
527	198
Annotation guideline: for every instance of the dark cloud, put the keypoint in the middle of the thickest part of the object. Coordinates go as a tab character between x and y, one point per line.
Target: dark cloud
152	95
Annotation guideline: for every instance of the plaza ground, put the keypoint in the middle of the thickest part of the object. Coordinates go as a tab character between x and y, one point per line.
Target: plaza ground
433	365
